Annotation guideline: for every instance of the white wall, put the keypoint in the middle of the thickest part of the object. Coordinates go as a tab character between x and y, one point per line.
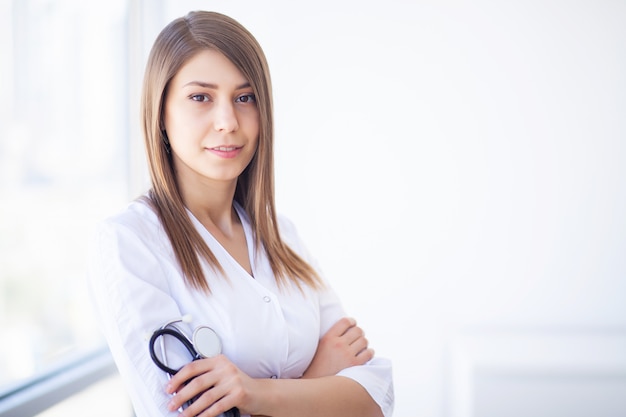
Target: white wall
458	170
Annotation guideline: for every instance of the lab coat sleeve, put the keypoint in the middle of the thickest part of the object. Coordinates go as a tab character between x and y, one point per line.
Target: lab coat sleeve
376	375
130	292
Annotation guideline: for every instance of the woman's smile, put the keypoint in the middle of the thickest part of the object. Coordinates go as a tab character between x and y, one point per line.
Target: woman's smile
227	152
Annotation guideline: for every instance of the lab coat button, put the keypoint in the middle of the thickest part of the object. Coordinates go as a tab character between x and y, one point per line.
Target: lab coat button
267	299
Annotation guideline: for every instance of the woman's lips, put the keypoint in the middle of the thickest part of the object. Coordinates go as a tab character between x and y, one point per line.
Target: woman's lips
225	151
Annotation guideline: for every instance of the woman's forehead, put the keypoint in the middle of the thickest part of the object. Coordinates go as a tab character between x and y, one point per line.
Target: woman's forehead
211	69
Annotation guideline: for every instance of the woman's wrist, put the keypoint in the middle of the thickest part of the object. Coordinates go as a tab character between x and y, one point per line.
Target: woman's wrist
265	398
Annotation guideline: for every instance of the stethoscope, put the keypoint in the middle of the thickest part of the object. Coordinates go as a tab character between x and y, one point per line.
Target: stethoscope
204	343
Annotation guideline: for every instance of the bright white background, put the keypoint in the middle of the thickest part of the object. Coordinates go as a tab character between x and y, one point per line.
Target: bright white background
458	170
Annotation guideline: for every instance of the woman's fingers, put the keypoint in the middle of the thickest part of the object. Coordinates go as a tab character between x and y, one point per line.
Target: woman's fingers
358	345
187	373
364	356
353	334
212	402
343	345
204	381
341	327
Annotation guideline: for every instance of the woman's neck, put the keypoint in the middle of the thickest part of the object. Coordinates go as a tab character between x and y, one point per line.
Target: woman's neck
212	205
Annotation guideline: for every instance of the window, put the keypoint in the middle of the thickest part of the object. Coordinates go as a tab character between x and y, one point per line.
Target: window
64	165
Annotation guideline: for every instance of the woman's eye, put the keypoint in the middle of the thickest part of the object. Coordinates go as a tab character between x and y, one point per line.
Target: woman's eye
199	97
246	98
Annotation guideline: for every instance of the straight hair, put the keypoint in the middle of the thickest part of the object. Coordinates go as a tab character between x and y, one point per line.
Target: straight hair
178	42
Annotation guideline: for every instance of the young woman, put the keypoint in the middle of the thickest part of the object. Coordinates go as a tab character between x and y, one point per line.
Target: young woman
206	241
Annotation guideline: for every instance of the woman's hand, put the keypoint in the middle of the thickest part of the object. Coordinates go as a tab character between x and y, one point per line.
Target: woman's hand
343	346
216	384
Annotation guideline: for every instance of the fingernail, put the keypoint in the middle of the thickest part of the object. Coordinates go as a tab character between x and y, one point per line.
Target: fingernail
171	406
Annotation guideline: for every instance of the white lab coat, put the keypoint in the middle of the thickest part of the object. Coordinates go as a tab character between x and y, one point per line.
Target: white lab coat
137	286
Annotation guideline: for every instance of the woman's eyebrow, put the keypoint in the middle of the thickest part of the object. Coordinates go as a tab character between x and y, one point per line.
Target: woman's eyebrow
213	86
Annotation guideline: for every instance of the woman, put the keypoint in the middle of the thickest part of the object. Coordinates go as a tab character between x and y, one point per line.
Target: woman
205	241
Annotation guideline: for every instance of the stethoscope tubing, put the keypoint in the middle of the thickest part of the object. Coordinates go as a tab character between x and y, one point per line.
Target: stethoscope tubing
176	334
169	331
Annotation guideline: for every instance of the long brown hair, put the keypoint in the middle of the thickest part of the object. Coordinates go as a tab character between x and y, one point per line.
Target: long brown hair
175	45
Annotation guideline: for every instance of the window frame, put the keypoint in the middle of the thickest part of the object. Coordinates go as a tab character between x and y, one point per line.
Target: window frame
31	397
67	378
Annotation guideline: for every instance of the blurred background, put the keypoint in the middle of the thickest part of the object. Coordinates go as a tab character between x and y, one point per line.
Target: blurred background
457	168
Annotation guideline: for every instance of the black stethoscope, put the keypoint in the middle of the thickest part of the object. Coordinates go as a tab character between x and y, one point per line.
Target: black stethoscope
205	343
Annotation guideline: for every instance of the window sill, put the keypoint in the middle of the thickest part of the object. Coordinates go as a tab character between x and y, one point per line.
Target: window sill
44	391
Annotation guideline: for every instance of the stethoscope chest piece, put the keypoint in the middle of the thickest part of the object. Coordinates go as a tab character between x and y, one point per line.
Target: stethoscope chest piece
206	342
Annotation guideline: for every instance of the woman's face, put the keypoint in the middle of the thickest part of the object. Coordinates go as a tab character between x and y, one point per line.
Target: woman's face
211	119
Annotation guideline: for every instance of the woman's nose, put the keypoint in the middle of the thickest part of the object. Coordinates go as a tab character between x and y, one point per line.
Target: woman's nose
225	117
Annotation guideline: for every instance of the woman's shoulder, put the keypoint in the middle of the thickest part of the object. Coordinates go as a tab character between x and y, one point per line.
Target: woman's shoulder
285	224
290	235
138	219
137	213
287	227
